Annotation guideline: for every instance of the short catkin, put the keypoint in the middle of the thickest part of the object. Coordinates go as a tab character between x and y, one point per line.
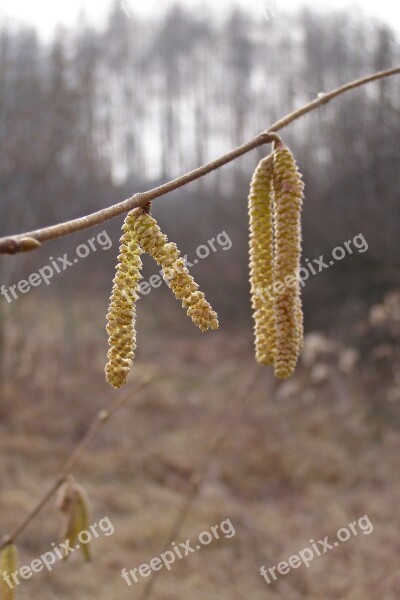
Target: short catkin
288	200
261	260
121	316
167	255
74	503
8	565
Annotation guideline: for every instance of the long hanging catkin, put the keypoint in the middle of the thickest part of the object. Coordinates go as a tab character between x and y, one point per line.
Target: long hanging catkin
261	260
121	316
167	255
288	199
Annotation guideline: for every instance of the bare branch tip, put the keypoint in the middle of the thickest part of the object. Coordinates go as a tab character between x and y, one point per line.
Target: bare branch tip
14	245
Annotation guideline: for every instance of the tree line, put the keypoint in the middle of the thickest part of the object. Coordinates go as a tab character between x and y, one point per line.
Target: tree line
98	114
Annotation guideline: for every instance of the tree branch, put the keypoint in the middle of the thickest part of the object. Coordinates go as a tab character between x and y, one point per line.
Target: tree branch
102	417
32	239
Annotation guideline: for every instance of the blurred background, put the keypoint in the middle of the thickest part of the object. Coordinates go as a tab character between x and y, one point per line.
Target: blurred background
101	100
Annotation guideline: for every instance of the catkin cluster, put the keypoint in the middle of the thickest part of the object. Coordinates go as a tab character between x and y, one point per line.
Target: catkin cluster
74	503
275	202
142	234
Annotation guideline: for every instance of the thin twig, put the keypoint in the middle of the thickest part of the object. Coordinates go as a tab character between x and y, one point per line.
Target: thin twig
222	431
102	417
25	241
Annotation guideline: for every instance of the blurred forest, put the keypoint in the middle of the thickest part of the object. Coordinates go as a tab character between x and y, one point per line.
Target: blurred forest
95	116
91	118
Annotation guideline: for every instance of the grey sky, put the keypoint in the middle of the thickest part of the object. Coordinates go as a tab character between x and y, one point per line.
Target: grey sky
47	14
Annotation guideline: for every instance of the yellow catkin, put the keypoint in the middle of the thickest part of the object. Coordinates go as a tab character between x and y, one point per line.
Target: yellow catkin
121	316
288	200
74	503
9	565
261	260
167	255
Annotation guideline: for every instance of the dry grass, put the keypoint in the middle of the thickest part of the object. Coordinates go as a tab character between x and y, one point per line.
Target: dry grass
307	457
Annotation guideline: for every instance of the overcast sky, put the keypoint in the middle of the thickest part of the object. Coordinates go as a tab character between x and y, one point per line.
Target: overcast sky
47	14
